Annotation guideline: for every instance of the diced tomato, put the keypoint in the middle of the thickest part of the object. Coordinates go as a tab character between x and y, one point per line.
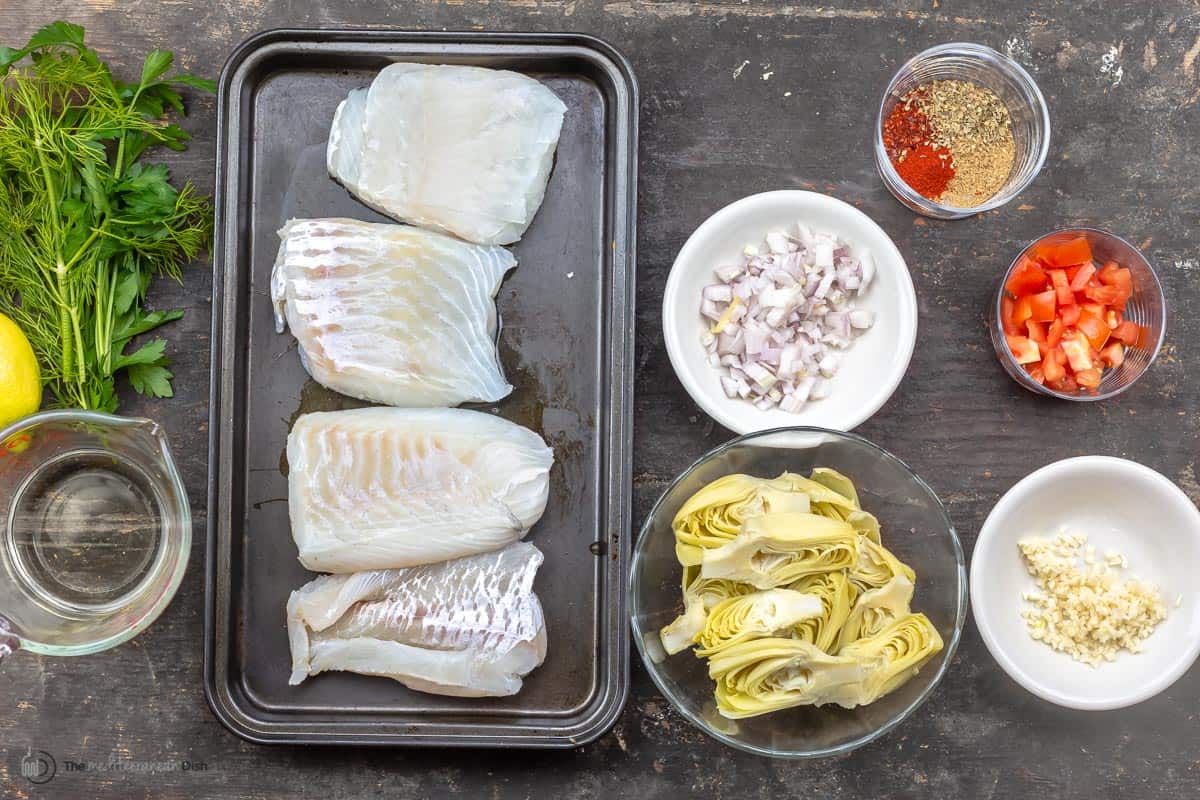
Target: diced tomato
1120	279
1051	369
1006	314
1037	330
1105	295
1026	277
1054	334
1042	306
1082	276
1114	275
1128	333
1063	315
1024	350
1066	254
1088	378
1062	287
1113	354
1022	310
1079	354
1094	328
1066	385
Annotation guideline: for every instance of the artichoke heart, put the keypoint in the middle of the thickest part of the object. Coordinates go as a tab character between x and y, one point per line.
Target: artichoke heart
837	595
765	675
893	655
837	482
714	515
874	609
754	616
781	547
876	566
700	595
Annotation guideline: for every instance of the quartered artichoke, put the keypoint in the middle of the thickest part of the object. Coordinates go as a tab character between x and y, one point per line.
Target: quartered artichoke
700	595
778	548
837	595
792	597
893	655
755	615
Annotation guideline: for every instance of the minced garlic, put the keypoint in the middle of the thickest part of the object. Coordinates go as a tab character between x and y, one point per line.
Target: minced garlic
1089	613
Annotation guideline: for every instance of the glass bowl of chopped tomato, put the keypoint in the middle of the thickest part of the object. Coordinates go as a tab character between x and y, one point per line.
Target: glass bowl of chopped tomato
1079	315
983	66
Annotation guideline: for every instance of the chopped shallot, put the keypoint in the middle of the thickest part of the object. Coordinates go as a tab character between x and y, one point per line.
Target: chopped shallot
779	316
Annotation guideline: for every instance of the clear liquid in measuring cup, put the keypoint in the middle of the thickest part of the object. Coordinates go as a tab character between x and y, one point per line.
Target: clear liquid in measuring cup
84	530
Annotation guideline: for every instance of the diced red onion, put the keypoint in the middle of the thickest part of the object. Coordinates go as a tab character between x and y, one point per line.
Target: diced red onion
778	345
777	242
862	319
727	273
718	292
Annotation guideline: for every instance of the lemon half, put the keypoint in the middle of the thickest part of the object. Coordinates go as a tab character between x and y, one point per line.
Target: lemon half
20	379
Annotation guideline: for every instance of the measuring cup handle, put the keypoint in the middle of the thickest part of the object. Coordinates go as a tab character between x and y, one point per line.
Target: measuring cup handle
9	641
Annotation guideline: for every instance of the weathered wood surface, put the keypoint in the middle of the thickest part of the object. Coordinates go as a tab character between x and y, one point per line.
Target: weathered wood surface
737	97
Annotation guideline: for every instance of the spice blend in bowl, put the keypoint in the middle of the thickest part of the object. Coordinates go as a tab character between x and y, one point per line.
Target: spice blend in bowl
951	141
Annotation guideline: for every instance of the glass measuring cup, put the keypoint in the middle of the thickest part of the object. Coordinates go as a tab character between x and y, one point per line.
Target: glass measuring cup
95	531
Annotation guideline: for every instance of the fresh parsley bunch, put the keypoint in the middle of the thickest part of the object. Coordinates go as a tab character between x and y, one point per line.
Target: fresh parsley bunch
85	224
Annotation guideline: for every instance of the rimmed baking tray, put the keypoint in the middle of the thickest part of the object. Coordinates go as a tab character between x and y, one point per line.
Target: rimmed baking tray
566	344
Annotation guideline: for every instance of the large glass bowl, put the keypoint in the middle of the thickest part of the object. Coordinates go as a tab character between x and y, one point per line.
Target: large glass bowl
915	528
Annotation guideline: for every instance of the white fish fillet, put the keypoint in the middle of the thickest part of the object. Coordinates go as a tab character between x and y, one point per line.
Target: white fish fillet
469	628
378	488
462	149
391	313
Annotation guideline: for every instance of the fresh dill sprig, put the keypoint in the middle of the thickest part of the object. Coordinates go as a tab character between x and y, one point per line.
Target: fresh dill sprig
85	224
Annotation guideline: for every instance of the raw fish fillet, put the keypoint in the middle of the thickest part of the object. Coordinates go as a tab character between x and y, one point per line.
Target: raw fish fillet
462	149
378	488
469	628
390	313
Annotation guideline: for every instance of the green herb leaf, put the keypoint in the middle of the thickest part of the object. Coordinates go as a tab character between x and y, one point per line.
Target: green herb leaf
149	353
127	290
203	84
157	62
142	322
151	379
57	34
9	56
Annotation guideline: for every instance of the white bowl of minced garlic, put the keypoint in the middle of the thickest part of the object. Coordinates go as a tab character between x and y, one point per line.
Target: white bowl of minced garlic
1083	583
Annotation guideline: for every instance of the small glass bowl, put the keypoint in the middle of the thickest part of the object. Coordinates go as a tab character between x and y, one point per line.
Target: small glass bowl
1147	308
915	527
987	68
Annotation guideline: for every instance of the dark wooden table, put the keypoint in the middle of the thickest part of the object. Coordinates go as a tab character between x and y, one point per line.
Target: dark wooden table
738	96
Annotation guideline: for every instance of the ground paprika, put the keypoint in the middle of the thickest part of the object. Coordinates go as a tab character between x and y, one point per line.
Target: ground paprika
926	169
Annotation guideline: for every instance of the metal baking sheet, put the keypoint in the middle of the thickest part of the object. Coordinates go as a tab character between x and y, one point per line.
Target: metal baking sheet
566	345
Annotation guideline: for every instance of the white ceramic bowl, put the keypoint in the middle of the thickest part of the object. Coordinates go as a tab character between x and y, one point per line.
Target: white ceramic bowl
1118	505
870	369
